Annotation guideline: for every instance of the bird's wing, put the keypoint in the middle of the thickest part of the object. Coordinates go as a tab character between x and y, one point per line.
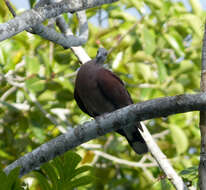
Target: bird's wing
79	102
113	88
114	91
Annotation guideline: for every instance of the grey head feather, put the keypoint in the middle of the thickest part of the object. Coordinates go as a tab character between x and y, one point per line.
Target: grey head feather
101	55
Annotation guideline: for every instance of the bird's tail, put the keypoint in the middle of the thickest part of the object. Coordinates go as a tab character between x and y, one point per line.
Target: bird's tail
134	138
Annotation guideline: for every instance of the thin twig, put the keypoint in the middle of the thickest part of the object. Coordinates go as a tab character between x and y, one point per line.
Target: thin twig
47	115
161	135
162	160
124	162
8	4
8	92
142	163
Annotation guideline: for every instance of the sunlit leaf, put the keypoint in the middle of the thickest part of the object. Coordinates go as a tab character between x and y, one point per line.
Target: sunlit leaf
174	44
149	44
179	138
161	70
35	84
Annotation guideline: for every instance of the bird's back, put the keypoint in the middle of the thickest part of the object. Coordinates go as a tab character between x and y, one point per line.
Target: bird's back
87	89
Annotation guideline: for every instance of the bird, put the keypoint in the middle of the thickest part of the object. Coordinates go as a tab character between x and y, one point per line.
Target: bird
98	91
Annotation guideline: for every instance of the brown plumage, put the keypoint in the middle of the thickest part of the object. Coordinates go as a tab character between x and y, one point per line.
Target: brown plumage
98	91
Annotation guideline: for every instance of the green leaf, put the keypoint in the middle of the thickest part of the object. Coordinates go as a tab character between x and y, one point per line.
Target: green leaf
145	93
3	179
144	71
84	180
162	184
42	180
65	167
162	71
149	44
32	65
4	154
65	84
175	88
39	133
155	3
137	4
179	138
193	22
174	44
196	7
32	2
122	15
71	161
81	170
13	177
58	164
185	66
35	84
141	56
190	174
47	95
51	173
53	85
190	171
64	95
166	185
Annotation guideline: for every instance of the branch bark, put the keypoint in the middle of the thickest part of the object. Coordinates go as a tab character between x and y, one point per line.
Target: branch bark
36	16
202	165
64	28
124	117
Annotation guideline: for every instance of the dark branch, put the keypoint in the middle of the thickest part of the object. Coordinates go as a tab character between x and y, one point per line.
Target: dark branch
202	165
124	117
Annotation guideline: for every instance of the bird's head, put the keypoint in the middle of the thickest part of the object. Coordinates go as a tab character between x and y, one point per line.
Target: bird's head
101	55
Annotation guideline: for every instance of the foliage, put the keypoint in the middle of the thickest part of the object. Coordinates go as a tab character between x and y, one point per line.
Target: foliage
190	175
12	181
60	173
63	174
159	57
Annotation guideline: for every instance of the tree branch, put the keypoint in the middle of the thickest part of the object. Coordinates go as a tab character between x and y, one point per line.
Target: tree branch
51	34
125	117
162	160
36	16
124	162
64	28
202	165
